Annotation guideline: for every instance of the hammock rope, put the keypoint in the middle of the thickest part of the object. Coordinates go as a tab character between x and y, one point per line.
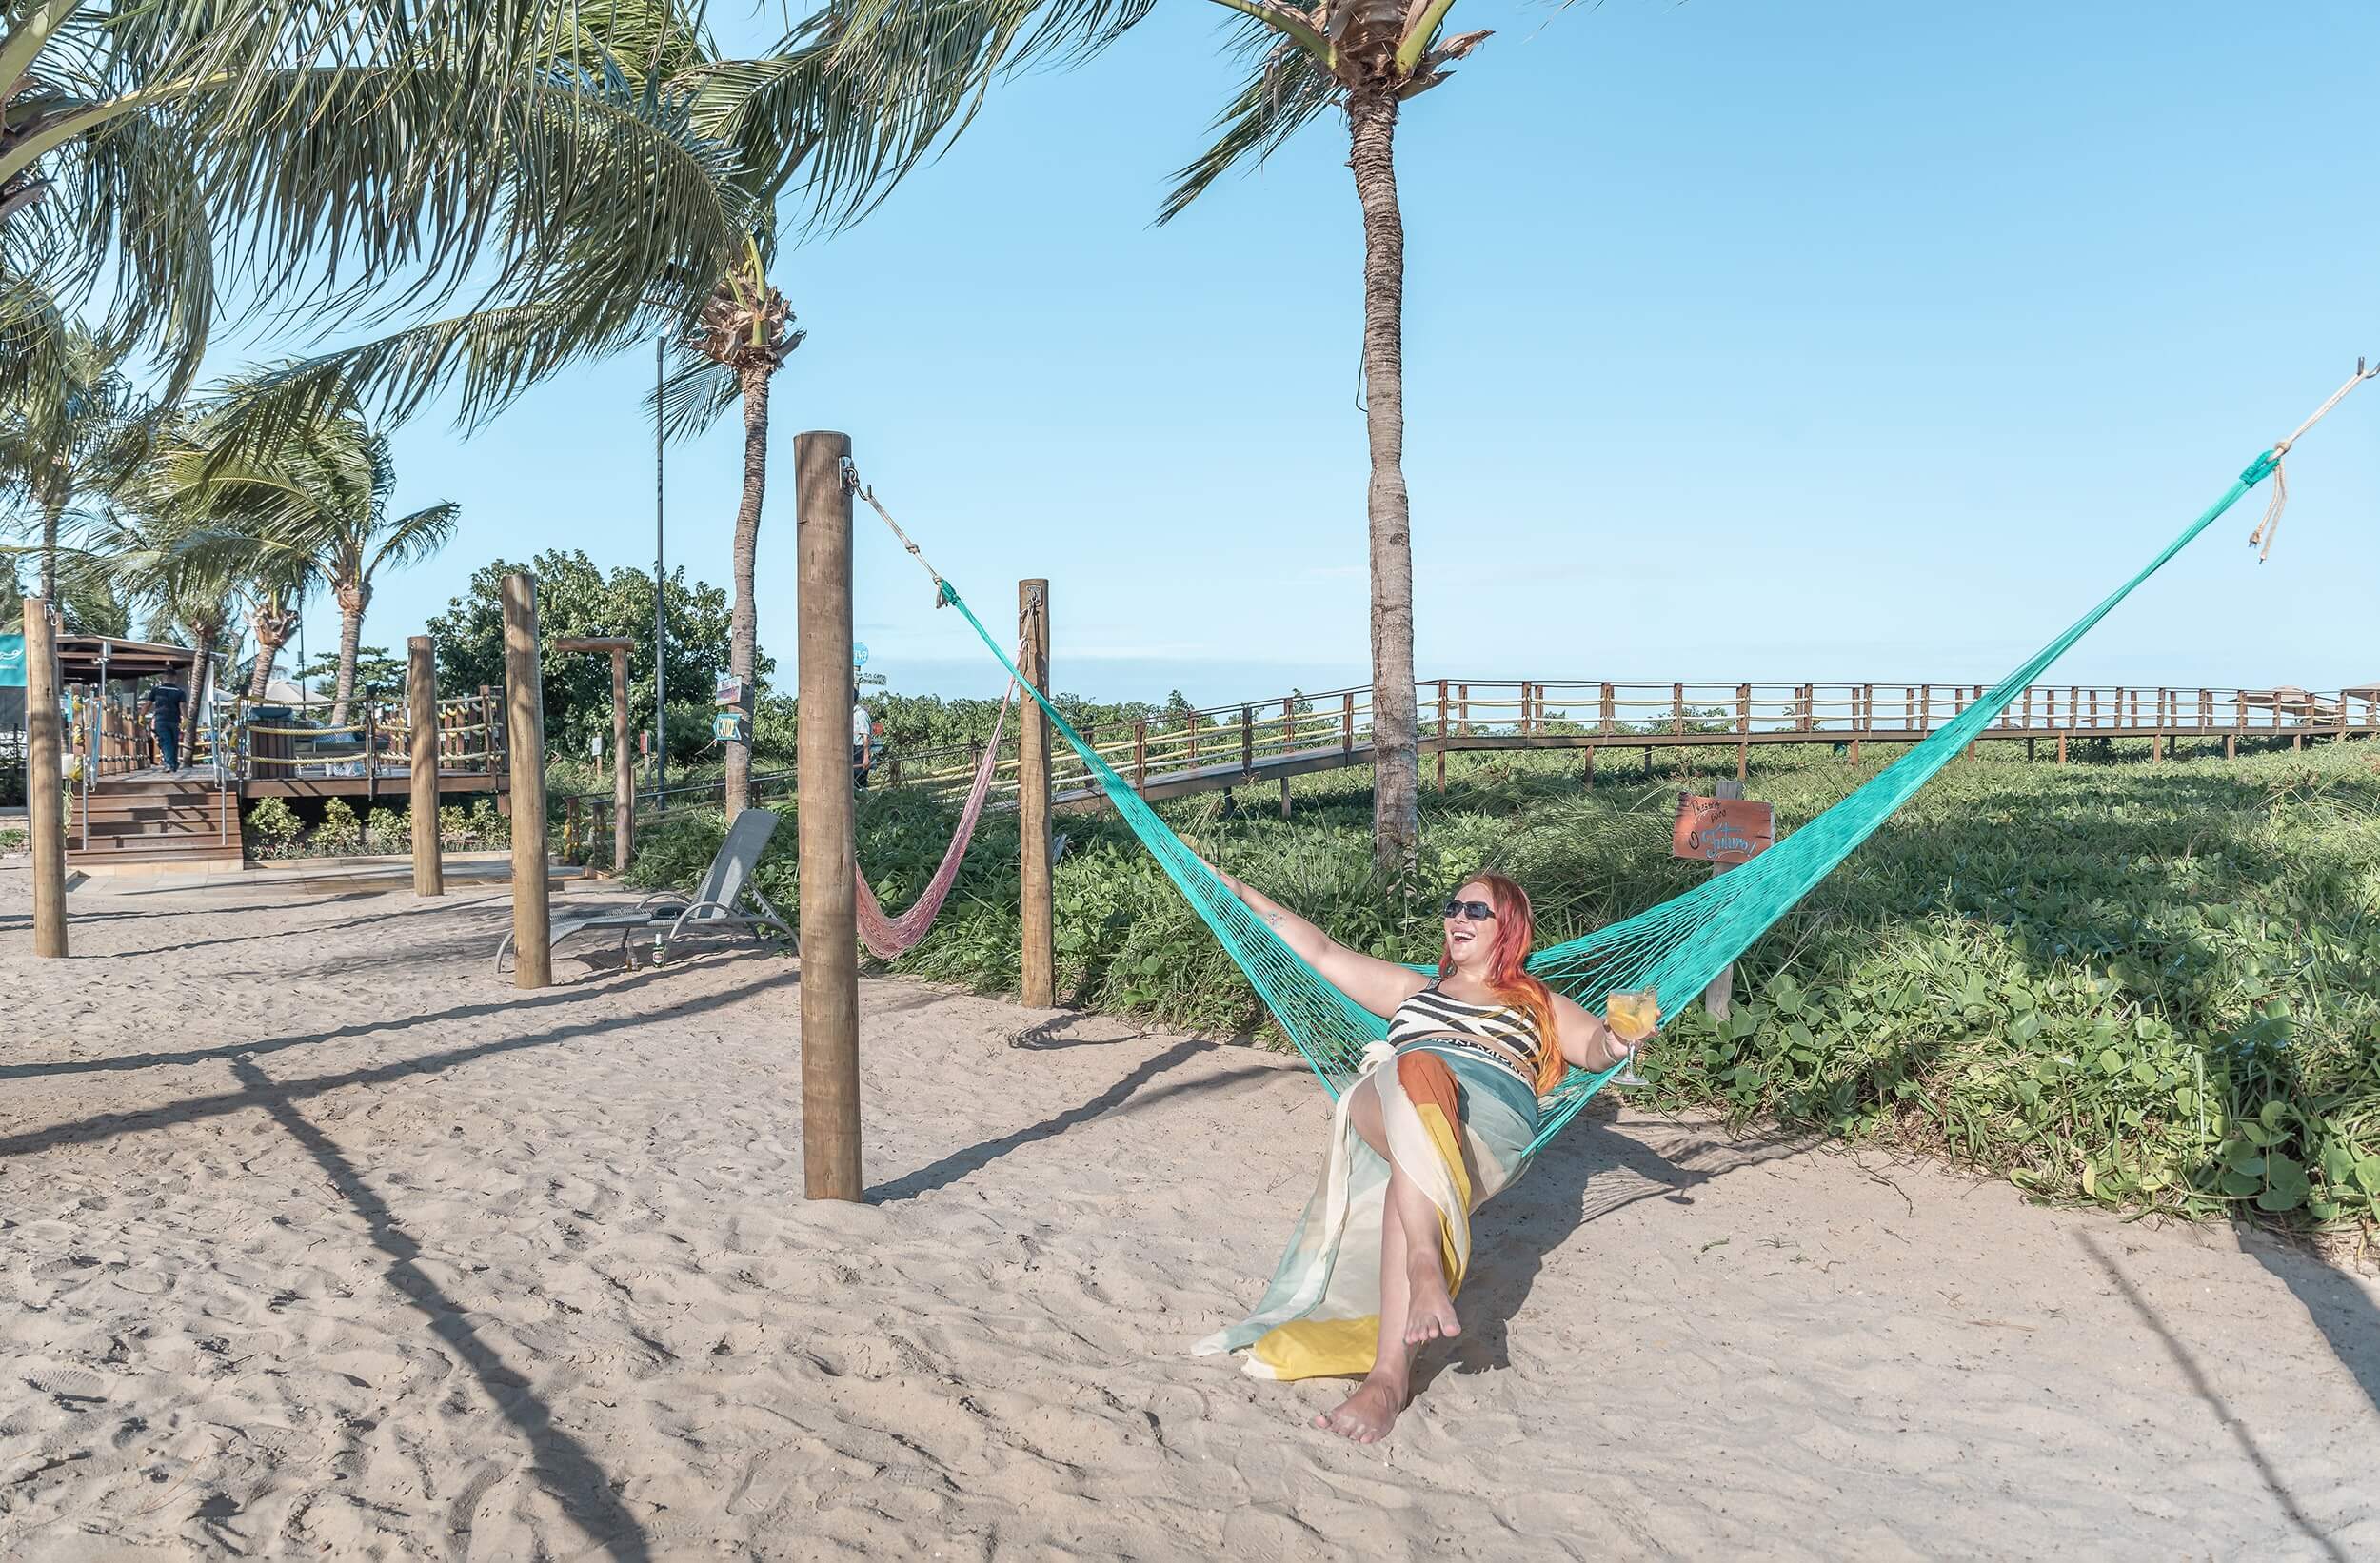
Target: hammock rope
887	937
1674	948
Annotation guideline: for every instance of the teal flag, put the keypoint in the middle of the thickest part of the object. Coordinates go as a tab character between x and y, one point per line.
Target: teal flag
12	661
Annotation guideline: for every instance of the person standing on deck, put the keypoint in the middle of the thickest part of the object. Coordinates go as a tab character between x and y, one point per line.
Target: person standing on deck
861	730
164	705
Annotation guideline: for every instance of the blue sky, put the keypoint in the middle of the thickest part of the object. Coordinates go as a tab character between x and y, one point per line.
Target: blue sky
1744	341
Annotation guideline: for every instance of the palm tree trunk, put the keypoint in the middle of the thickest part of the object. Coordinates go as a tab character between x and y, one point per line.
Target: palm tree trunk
354	597
743	624
1395	763
205	636
49	514
272	627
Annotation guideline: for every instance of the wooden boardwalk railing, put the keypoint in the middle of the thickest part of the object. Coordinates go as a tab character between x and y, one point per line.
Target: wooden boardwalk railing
1176	753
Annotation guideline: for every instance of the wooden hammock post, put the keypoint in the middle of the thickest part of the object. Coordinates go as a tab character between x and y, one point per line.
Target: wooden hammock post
525	743
623	786
45	781
623	774
830	925
421	705
1038	972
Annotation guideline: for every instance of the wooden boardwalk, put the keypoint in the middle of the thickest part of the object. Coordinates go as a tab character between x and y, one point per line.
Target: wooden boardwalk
1252	743
1178	754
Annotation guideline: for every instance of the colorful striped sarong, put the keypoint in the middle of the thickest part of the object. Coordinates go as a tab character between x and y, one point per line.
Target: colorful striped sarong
1458	1125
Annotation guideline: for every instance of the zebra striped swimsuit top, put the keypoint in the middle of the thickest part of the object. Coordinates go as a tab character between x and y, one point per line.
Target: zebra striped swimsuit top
1498	1033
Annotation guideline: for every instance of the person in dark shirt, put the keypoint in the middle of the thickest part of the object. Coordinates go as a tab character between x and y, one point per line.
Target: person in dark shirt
164	703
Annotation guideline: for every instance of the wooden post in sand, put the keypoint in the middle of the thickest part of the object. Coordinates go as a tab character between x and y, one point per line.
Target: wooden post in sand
1037	982
421	742
525	744
622	774
830	936
622	784
45	782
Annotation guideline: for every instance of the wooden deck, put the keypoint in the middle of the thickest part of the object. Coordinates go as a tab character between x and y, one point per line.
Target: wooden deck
391	784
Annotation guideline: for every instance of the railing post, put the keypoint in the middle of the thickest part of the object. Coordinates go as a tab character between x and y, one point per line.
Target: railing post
1347	724
1610	706
1466	710
1743	731
1247	740
1441	735
1288	746
1141	758
1678	708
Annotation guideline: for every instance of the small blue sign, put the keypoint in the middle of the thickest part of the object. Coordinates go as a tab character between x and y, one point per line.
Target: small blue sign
859	653
12	661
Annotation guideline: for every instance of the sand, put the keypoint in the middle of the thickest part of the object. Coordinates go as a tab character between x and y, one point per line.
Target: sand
315	1240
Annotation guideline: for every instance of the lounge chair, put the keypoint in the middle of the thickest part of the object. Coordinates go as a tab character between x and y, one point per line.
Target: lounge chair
716	906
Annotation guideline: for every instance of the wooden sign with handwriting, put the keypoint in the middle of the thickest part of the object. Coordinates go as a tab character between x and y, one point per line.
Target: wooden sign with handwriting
1722	830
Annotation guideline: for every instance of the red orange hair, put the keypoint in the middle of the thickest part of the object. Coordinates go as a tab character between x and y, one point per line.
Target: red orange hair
1509	978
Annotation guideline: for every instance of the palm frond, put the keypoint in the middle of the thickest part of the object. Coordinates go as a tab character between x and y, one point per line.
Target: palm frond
695	393
1287	91
905	76
416	537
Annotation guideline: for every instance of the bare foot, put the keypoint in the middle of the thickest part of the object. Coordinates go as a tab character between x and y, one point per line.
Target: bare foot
1431	1316
1365	1417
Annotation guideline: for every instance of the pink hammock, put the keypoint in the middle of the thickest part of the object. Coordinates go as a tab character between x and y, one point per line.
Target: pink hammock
887	937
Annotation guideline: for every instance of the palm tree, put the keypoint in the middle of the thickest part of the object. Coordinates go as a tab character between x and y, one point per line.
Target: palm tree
68	445
925	65
312	509
745	332
360	158
748	126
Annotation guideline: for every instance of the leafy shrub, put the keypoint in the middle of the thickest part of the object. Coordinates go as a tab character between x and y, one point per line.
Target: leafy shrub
339	834
454	829
272	828
386	832
488	828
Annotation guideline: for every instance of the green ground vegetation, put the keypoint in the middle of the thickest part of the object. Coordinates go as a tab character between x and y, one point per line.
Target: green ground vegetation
2150	986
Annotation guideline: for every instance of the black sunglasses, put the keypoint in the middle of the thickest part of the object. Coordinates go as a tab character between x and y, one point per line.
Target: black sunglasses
1478	911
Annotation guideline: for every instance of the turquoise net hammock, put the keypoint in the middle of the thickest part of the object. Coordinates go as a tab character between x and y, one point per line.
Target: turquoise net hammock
1674	948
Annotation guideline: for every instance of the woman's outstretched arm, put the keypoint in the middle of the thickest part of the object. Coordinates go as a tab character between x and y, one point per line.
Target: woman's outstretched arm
1377	985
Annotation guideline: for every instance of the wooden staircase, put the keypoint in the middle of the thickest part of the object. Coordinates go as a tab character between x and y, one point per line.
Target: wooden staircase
153	822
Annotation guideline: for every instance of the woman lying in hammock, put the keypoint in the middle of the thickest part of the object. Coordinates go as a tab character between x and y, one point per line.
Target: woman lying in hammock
1435	1129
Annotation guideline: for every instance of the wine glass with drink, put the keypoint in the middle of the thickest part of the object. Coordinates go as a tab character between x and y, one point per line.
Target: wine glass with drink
1631	1015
